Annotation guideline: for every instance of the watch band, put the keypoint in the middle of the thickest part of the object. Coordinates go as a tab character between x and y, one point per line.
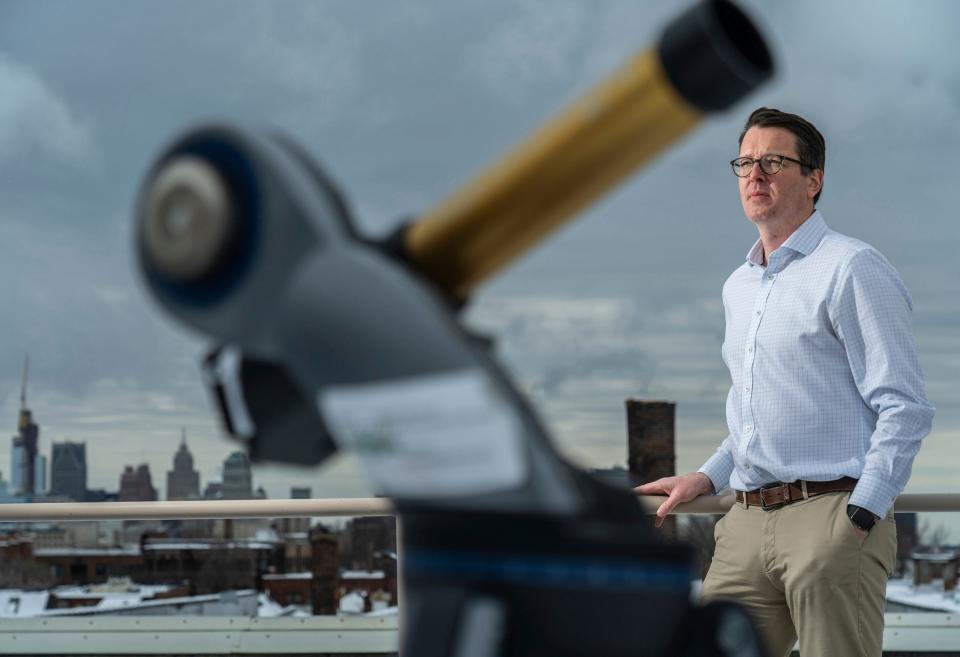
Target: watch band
861	517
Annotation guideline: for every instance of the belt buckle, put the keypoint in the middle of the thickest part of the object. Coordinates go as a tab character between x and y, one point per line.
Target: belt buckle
775	505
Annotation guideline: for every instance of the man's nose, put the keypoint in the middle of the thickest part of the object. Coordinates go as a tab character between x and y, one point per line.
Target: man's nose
756	172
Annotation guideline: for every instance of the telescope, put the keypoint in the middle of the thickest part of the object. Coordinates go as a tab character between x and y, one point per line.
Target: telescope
327	340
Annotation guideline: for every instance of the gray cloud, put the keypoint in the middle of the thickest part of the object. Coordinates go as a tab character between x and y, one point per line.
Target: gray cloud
36	121
533	48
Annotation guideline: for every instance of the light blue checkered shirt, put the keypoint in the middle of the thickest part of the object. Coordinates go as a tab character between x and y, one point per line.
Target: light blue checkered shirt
826	380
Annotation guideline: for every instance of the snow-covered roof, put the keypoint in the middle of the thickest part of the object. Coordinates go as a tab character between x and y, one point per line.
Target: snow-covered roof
146	604
926	596
351	603
95	591
15	603
387	611
275	576
126	550
267	608
213	545
362	574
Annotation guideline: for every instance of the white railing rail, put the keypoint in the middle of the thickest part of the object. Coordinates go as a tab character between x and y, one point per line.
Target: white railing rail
357	506
917	633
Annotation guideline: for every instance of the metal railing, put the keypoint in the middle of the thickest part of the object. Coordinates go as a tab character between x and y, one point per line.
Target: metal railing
169	635
357	506
916	632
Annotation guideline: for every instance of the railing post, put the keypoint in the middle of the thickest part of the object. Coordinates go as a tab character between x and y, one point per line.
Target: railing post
401	586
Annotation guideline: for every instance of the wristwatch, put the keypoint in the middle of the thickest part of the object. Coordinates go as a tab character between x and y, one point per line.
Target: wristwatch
861	517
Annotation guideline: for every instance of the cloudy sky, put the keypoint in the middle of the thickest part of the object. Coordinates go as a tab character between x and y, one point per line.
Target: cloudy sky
402	102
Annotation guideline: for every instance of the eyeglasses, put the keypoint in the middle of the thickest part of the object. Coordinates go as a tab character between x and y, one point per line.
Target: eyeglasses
769	164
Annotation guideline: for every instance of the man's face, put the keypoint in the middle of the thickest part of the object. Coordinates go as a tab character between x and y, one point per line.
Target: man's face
784	195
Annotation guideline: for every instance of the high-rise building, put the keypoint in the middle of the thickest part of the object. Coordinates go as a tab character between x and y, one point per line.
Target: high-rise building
23	458
237	477
6	496
136	485
213	490
17	457
40	474
183	482
296	525
68	470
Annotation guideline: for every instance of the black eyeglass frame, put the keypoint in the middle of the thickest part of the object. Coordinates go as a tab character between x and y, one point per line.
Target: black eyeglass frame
733	164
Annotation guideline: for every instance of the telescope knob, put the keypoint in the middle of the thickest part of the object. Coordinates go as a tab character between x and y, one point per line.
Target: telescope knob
188	222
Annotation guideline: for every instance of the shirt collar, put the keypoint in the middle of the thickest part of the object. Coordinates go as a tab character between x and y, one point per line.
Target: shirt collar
803	240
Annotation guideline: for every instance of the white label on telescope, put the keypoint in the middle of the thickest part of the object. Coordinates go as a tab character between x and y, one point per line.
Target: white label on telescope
430	436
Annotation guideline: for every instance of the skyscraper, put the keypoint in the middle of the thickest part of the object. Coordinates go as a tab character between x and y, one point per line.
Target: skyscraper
136	485
17	457
183	482
68	470
296	525
237	477
39	474
23	457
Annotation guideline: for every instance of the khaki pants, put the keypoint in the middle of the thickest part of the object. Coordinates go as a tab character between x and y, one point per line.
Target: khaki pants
801	572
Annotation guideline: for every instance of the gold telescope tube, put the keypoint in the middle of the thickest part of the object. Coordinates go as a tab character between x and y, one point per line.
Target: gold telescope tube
706	60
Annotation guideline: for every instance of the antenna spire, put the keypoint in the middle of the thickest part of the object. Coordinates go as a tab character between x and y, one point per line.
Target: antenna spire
23	384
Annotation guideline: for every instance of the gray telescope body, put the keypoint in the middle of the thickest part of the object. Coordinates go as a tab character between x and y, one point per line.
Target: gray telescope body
290	288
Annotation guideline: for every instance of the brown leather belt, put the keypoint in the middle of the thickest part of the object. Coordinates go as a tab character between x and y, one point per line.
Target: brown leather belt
776	495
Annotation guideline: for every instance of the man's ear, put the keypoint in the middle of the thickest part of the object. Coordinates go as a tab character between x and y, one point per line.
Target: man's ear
814	182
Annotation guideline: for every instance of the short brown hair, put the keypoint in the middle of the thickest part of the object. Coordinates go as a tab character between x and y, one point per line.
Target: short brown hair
811	148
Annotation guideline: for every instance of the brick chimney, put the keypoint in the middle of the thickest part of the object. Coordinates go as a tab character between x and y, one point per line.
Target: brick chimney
325	566
650	440
650	445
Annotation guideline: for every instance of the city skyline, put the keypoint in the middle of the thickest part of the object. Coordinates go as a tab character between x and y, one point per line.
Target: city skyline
69	469
402	108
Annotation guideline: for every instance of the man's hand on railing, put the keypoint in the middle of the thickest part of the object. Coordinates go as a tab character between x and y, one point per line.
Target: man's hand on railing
677	489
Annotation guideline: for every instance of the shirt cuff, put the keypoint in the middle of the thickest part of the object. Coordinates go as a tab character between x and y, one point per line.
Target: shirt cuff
718	469
874	495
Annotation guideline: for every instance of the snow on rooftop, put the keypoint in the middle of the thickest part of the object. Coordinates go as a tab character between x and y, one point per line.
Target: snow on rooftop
351	603
100	591
267	608
214	545
15	603
362	574
148	604
126	550
386	611
926	596
275	576
266	534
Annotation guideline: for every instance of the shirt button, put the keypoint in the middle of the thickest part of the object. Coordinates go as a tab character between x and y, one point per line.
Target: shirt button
748	428
758	313
746	388
770	277
747	466
749	349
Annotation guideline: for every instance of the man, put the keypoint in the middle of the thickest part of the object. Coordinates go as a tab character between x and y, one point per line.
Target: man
827	395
